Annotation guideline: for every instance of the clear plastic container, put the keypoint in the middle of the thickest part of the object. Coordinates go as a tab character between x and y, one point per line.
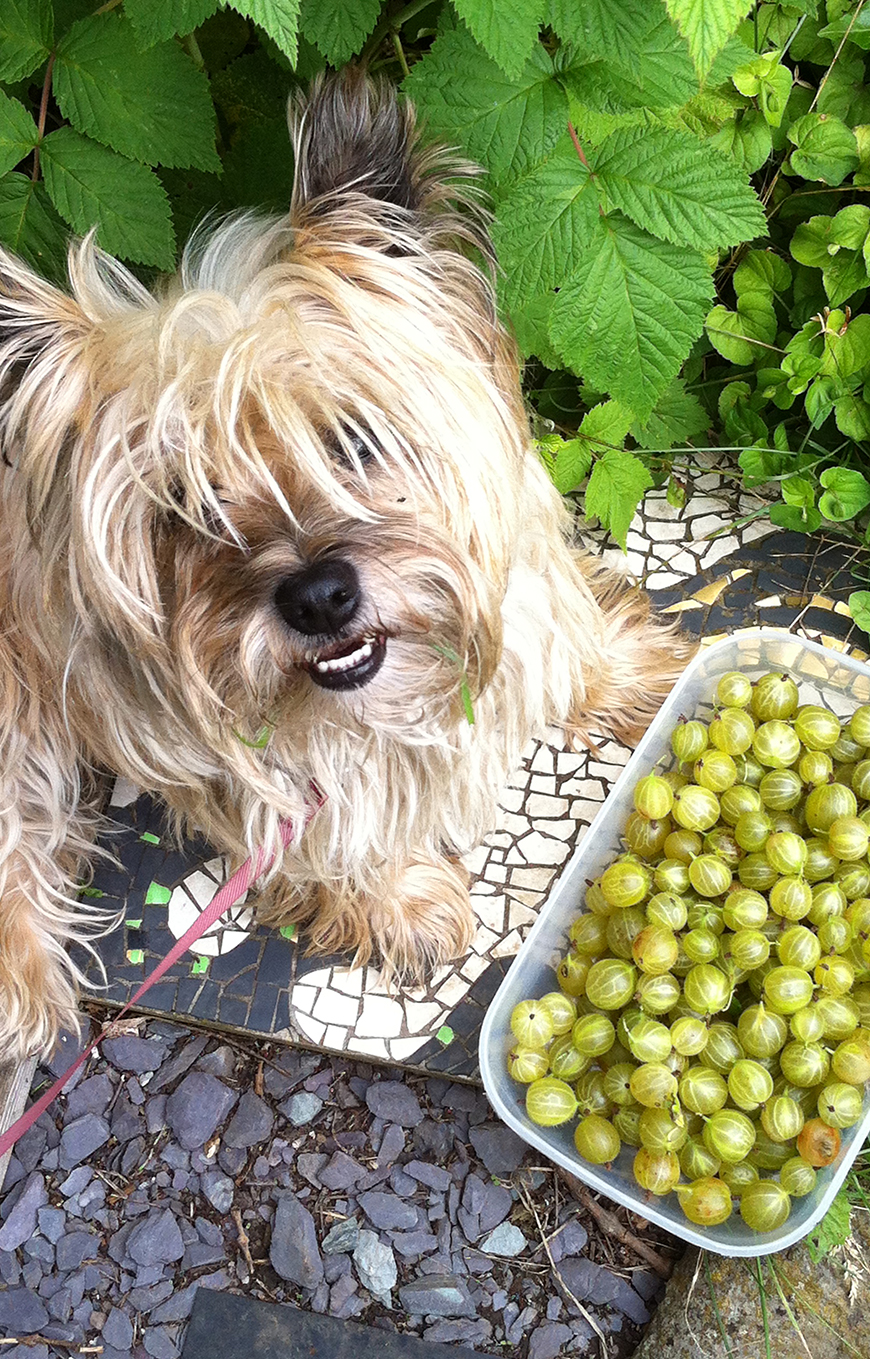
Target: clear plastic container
825	677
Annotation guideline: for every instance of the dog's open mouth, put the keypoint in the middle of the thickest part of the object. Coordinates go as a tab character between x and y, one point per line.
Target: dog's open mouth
348	664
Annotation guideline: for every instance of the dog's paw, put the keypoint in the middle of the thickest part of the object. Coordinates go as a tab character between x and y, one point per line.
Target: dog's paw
424	921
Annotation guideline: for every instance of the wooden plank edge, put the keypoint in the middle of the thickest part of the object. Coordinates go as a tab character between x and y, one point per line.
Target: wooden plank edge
15	1083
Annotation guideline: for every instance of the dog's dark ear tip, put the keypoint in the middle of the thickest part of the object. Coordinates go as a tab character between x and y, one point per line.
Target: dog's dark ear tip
352	133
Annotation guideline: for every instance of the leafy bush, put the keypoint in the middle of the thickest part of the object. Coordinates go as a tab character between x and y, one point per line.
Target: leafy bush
679	189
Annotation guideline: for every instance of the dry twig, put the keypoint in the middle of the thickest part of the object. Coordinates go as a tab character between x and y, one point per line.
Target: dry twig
611	1225
545	1241
244	1239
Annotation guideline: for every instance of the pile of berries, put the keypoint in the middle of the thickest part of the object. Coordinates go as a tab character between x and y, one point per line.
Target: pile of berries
713	1007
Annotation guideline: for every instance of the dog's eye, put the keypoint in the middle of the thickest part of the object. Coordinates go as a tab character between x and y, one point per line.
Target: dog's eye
352	446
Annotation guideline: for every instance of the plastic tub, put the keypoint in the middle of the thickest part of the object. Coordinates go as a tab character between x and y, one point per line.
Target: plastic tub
825	677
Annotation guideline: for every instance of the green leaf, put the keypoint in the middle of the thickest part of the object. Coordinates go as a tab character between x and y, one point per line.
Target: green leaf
660	74
30	227
615	490
152	106
798	520
506	29
508	125
543	226
605	426
847	493
338	30
18	134
761	271
707	25
825	148
251	89
671	184
278	18
678	417
571	464
740	336
531	324
859	608
760	465
91	185
833	1230
158	20
854	27
629	315
852	416
26	29
610	29
798	491
765	79
747	139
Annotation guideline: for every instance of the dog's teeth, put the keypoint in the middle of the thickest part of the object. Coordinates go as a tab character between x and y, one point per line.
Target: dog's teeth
347	662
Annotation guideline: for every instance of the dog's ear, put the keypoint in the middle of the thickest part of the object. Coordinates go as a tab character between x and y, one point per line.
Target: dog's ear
44	334
359	159
351	135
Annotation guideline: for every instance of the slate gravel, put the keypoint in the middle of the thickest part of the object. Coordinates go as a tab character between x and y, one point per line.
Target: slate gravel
180	1160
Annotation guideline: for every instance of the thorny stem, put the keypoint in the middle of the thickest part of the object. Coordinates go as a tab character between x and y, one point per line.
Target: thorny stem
43	113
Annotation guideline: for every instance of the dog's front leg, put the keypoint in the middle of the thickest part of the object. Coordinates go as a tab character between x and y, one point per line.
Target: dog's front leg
43	836
415	918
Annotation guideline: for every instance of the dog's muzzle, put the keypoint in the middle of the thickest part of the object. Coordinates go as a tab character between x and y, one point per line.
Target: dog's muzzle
322	600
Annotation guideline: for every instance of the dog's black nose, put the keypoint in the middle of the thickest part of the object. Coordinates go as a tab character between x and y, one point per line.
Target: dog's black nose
321	599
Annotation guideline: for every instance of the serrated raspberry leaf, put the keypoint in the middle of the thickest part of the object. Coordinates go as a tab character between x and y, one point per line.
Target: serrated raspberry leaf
277	18
93	186
543	226
338	30
630	313
465	99
18	134
30	227
673	186
506	29
152	105
616	487
160	20
26	29
707	25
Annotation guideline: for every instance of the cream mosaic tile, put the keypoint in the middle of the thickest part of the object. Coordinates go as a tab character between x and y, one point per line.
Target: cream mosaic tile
380	1017
334	1008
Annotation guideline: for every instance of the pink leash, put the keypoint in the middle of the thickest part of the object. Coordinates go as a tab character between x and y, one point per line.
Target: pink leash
223	899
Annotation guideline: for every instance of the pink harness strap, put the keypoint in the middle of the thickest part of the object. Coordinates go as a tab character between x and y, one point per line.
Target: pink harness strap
223	899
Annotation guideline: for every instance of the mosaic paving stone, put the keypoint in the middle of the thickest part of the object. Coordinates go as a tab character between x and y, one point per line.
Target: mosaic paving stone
715	578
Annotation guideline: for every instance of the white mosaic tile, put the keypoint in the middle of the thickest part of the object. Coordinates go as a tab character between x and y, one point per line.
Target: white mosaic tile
348	979
419	1016
304	998
334	1008
380	1017
309	1028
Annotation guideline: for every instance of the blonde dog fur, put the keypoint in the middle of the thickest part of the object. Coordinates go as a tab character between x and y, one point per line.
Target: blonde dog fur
323	414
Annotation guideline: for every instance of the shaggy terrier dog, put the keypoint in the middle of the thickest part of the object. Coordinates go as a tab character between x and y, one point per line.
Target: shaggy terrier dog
291	495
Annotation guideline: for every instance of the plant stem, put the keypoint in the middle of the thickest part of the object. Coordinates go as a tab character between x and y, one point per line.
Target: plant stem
400	53
708	1274
43	113
763	1297
390	24
194	51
